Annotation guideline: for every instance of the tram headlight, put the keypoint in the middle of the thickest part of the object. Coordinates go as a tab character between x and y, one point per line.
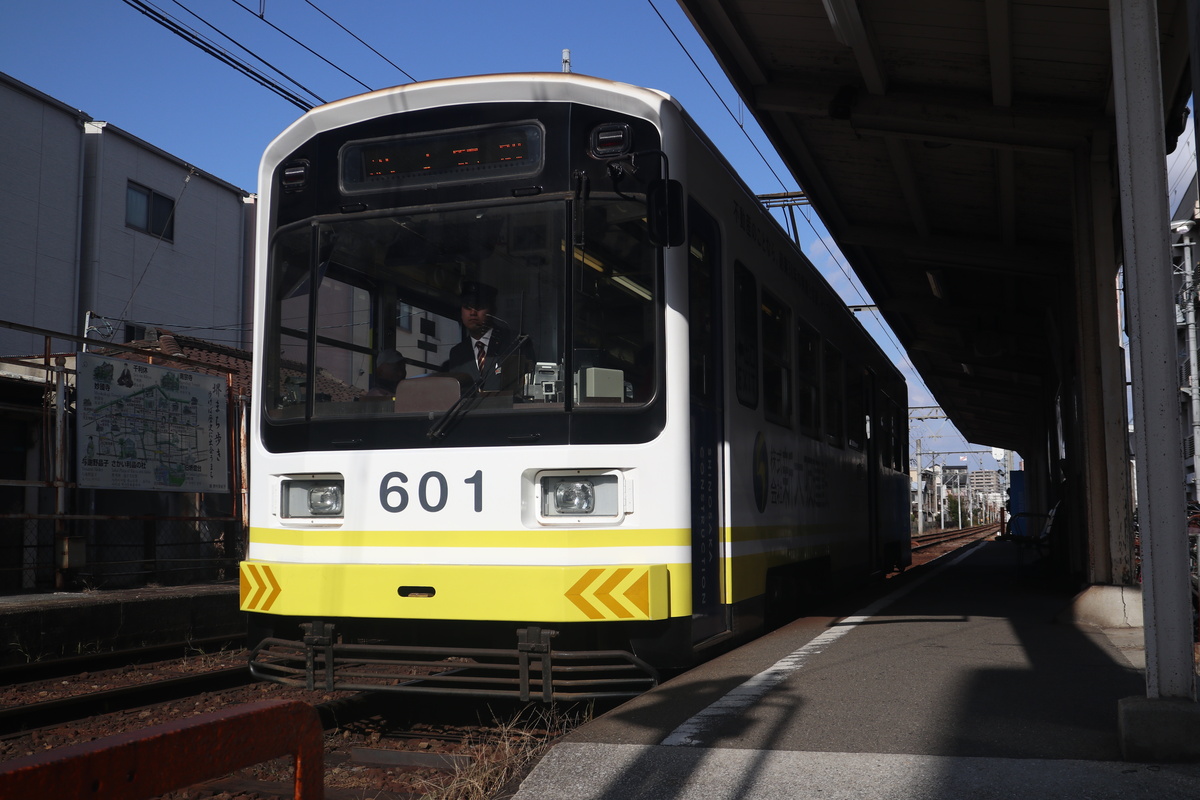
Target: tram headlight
581	494
575	497
315	497
325	501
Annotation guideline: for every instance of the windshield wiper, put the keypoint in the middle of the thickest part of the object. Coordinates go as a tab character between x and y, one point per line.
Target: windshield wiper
442	424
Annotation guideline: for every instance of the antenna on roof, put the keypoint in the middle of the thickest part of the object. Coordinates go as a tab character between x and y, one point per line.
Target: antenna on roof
566	60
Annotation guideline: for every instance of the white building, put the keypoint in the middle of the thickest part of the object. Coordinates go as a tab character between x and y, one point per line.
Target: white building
93	219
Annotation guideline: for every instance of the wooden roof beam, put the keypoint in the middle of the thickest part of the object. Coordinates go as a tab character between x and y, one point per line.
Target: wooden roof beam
961	253
850	29
999	36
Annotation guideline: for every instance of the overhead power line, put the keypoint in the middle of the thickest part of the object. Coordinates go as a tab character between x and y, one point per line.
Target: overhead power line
838	262
360	41
221	54
280	30
249	52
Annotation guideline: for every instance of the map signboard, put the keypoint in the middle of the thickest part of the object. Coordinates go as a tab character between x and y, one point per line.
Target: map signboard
142	426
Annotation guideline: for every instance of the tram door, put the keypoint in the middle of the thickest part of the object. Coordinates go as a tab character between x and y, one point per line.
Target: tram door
707	423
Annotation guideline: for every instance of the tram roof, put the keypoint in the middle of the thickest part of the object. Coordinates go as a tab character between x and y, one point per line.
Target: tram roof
937	140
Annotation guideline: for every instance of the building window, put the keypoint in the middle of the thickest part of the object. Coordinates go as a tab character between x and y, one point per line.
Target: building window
149	212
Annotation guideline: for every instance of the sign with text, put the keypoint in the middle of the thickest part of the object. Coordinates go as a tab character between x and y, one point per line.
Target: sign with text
141	426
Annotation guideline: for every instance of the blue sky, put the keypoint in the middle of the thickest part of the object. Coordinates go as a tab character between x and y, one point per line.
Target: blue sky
116	64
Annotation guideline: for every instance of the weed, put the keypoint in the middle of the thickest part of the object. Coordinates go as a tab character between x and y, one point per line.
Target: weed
508	752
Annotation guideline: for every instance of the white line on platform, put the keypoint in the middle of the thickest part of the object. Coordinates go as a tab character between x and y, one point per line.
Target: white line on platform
747	694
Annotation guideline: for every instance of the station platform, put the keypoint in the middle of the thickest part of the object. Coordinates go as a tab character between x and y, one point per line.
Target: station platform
973	677
41	627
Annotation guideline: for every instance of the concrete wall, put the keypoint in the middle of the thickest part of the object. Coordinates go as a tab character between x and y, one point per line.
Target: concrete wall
41	177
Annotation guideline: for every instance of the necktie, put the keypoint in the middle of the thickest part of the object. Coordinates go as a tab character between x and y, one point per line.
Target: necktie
480	355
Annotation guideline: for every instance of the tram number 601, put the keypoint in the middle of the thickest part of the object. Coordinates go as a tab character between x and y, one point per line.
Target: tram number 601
433	491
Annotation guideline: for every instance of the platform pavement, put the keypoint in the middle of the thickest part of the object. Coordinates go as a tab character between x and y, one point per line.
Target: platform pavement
39	627
979	678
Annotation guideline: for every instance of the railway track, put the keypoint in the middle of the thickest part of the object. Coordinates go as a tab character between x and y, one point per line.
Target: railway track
94	662
929	540
376	746
21	718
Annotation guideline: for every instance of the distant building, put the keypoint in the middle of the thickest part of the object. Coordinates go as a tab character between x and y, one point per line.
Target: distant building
985	481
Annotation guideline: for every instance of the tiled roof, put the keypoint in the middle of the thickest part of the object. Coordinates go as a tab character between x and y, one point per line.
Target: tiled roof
225	360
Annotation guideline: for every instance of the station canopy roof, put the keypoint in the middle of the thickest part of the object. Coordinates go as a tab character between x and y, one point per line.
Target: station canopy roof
939	142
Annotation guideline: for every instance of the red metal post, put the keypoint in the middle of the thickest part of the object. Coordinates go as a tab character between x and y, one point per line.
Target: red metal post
144	764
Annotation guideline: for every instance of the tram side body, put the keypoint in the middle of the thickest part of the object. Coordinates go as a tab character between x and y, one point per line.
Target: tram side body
807	514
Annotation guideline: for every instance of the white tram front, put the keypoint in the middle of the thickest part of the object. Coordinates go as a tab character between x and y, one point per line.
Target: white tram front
544	401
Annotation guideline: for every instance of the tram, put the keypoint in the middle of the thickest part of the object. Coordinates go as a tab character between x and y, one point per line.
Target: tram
669	430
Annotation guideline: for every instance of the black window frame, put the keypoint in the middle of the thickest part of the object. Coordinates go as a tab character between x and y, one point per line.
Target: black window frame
833	404
159	218
776	322
809	376
747	351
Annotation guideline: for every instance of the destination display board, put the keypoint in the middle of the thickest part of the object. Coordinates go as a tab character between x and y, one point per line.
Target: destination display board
142	426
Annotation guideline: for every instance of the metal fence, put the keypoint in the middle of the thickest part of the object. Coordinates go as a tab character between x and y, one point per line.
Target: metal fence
112	553
58	535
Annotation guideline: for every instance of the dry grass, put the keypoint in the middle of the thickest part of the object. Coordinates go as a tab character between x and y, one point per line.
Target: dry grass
508	752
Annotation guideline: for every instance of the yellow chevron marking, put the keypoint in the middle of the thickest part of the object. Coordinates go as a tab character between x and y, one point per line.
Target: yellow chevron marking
599	590
639	594
604	594
251	581
243	586
575	594
258	582
275	589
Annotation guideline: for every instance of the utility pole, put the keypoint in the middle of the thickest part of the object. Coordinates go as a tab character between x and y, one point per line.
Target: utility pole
1189	307
920	493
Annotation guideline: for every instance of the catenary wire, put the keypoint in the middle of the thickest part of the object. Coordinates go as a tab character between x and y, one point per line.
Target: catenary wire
216	51
360	41
834	258
250	52
281	31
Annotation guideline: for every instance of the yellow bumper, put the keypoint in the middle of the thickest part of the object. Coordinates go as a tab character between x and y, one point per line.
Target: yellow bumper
519	594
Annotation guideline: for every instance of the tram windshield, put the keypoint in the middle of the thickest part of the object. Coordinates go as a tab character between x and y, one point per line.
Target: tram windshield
377	316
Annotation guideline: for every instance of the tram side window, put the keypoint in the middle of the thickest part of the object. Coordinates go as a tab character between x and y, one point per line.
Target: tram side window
887	432
777	359
745	335
808	378
899	436
835	395
856	407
